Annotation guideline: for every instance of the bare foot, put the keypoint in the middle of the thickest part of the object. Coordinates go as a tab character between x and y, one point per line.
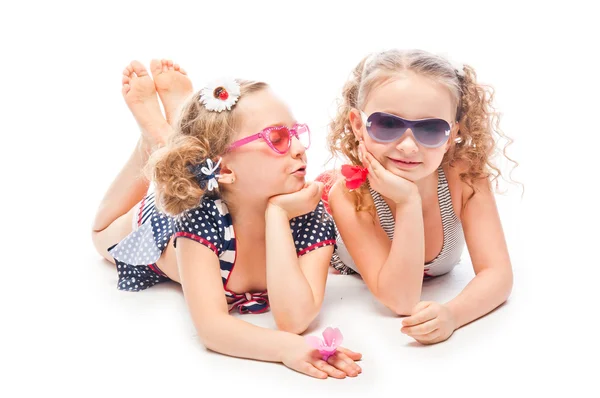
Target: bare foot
140	96
173	85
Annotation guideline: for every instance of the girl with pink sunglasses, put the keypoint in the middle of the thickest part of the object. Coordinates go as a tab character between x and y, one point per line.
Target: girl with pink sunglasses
419	133
231	217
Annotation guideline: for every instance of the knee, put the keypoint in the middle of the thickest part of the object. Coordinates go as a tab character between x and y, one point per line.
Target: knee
101	245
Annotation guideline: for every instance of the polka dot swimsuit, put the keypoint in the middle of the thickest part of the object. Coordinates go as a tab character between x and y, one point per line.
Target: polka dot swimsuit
210	225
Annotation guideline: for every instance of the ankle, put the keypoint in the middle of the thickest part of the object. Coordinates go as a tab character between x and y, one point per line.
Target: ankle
147	147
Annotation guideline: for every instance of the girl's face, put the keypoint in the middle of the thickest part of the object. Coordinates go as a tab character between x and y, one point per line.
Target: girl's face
411	97
258	170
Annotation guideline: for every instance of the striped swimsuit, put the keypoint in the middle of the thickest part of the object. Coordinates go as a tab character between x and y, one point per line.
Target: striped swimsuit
454	240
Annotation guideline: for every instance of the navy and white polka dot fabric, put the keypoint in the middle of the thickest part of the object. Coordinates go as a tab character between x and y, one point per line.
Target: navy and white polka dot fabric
146	244
313	230
138	277
209	224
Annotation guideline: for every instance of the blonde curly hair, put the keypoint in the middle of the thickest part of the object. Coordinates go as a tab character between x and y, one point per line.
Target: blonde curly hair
479	122
199	134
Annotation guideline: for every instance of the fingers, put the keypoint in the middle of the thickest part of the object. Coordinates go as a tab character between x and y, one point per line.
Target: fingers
430	338
421	306
363	152
420	314
369	160
355	356
314	189
320	187
330	370
345	364
353	366
422	329
374	164
309	191
310	370
366	160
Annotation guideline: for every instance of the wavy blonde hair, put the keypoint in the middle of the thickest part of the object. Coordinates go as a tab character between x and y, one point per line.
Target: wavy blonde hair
199	134
479	122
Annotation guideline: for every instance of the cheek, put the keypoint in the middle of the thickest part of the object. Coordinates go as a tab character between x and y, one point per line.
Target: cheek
377	149
249	166
262	169
433	157
438	153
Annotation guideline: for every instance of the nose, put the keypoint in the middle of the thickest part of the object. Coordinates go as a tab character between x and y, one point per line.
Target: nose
296	148
407	143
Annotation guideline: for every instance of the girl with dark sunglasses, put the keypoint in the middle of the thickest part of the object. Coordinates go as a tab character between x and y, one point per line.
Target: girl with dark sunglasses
420	134
230	219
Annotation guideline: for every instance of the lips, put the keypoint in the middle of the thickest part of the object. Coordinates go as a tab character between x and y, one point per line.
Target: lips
301	169
405	161
405	164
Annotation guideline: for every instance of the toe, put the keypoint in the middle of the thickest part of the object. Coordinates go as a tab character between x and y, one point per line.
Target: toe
155	67
170	64
125	89
165	66
179	69
139	69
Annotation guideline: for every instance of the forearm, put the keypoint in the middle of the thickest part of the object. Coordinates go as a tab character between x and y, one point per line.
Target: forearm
489	289
234	337
401	276
290	295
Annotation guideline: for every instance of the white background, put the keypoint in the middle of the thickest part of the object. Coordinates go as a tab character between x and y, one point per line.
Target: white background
66	131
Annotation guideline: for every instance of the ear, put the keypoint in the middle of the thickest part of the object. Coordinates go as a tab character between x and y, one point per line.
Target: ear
226	176
356	123
454	136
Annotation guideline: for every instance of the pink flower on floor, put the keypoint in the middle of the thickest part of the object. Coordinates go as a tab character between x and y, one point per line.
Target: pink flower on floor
332	339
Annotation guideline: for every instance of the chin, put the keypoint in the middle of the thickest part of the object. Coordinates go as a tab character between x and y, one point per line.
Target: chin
298	184
410	176
289	187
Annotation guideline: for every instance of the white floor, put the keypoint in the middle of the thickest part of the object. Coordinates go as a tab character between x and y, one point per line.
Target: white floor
66	329
76	334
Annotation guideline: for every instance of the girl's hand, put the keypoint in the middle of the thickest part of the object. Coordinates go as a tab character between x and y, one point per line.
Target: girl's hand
305	359
301	202
388	184
429	323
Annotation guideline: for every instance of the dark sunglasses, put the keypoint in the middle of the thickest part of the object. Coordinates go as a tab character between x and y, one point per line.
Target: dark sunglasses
384	127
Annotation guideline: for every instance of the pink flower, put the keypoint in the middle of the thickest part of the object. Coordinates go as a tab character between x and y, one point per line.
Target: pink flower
332	339
355	176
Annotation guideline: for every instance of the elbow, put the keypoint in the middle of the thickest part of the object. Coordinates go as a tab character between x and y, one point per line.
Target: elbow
404	307
209	344
401	298
208	339
292	327
508	284
402	304
295	323
211	334
503	282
